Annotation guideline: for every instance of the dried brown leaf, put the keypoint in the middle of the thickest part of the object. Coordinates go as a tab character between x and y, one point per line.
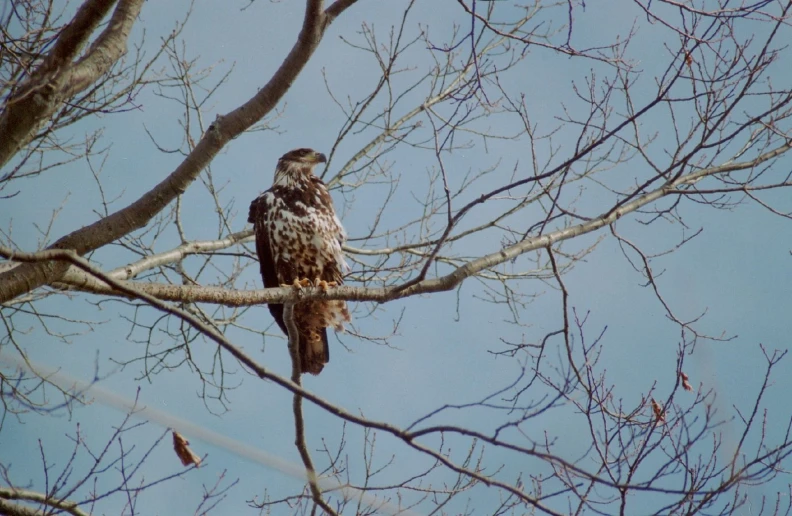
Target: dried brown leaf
659	413
685	383
182	449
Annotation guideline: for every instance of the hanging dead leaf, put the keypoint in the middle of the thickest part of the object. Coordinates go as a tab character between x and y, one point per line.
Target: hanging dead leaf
659	413
685	383
182	449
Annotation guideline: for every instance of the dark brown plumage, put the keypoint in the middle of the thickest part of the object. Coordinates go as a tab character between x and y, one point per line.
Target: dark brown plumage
298	237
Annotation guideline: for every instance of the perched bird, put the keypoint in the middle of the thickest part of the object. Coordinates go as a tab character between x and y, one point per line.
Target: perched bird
298	242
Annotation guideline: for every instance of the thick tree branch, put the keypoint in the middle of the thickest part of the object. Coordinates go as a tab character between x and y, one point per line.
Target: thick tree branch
33	496
57	79
76	34
335	10
108	48
12	509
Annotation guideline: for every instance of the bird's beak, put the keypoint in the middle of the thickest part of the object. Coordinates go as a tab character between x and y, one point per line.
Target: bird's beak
319	157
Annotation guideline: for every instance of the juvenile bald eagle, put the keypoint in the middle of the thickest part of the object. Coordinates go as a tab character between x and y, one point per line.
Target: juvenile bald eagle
298	240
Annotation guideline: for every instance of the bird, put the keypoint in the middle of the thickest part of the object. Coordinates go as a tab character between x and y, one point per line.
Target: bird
299	242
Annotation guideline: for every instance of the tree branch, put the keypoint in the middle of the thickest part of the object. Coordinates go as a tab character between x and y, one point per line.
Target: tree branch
12	509
33	496
106	50
335	10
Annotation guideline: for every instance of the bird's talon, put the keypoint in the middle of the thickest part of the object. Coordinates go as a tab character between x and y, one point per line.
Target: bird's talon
299	284
324	285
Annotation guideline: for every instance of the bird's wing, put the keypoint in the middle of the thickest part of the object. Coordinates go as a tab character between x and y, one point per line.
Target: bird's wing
258	216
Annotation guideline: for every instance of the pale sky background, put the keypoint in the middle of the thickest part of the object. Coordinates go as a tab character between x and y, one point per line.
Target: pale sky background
736	270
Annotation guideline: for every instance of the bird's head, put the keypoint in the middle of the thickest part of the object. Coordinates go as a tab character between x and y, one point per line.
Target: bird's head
297	165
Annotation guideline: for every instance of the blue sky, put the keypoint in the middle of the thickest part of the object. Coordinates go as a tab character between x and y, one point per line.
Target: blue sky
735	270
